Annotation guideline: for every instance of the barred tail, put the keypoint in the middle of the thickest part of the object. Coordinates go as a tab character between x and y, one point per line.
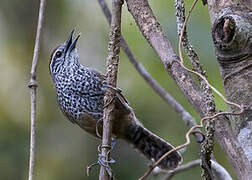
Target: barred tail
152	146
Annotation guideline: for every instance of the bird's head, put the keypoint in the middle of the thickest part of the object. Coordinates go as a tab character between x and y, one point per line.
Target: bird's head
64	55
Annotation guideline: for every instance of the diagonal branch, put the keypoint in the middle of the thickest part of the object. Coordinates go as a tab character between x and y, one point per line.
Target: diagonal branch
221	173
112	68
153	33
181	168
33	87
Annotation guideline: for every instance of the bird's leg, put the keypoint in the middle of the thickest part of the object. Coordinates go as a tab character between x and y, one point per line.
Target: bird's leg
113	143
100	160
106	163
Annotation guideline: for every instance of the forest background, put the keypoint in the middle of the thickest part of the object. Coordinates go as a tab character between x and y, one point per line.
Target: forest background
63	150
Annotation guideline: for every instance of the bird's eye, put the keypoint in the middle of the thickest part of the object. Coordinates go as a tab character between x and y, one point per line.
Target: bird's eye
58	54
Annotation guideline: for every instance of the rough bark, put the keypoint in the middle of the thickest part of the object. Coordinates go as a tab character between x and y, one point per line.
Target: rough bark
112	69
226	137
232	36
153	33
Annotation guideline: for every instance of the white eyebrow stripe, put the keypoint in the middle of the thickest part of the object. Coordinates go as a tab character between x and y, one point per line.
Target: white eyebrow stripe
52	58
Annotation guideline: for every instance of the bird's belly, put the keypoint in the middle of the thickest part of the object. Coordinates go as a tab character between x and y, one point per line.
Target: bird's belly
89	124
84	111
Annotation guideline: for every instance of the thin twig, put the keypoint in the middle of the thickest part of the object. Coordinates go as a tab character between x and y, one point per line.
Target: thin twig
194	58
198	74
186	116
220	171
112	68
190	52
210	126
33	86
208	145
183	167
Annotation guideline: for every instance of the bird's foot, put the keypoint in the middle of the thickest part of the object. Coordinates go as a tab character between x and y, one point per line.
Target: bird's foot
122	102
101	160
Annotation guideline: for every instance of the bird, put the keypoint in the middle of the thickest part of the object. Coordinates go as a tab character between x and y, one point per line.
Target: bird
80	91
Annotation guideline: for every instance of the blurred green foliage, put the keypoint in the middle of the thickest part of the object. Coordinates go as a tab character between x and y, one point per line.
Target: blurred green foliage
64	150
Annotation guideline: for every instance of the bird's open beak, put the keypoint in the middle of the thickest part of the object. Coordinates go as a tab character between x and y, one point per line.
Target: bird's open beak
70	44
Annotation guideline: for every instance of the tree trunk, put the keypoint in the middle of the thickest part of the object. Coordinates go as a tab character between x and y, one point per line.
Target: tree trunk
232	36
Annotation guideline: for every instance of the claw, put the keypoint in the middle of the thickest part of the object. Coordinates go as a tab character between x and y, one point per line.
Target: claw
118	90
89	168
111	87
97	129
105	164
121	101
113	143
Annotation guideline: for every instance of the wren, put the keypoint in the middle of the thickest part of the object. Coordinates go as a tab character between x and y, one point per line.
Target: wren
80	91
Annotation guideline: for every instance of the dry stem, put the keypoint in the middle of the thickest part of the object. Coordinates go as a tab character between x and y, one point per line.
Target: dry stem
112	68
33	86
183	167
208	145
221	173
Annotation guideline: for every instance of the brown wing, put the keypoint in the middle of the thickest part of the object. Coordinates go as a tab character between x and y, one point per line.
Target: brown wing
69	117
89	124
99	74
121	102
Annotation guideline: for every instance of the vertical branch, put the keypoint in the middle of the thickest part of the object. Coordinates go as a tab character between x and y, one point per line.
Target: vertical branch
190	52
112	68
33	87
208	145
